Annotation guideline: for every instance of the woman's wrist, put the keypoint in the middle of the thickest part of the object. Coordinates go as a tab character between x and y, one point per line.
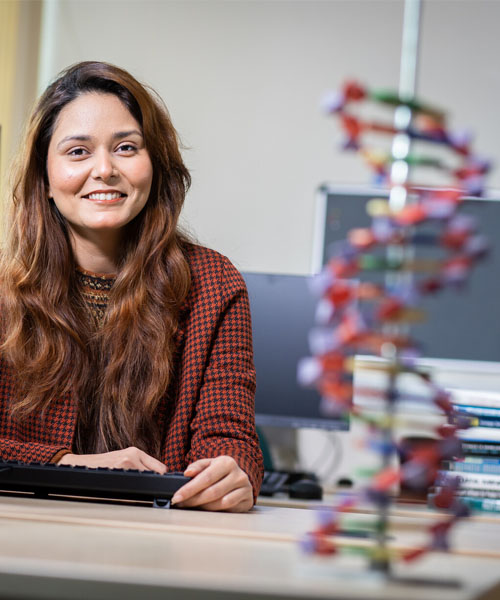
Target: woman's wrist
55	460
66	459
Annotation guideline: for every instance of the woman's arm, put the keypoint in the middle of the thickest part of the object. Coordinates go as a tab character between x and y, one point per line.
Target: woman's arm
223	427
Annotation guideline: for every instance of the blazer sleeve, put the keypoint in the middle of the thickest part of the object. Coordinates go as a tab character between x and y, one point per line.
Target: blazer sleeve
30	451
36	437
224	422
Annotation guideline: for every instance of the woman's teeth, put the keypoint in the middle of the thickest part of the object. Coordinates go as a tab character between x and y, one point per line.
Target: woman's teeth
111	196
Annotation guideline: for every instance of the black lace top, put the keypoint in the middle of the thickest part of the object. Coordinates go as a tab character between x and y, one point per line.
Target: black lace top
95	288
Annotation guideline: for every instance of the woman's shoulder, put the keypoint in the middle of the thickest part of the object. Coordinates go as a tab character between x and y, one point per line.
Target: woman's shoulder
205	261
210	268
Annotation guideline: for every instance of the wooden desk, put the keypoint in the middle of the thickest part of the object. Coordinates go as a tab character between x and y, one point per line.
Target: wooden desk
56	549
477	536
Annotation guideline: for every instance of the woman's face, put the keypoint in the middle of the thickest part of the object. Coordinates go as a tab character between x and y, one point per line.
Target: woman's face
99	170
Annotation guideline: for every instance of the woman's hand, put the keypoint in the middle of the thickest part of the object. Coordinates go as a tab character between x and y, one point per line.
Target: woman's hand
217	484
128	458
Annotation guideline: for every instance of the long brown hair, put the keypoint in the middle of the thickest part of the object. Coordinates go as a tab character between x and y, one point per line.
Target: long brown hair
119	373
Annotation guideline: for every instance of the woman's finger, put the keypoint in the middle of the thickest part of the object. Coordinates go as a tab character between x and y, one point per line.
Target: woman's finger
197	467
208	494
149	463
211	474
237	500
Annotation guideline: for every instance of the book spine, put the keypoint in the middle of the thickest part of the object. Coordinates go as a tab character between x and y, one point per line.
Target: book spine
479	411
471	493
470	480
482	460
482	421
480	434
486	468
472	398
485	504
479	494
481	504
481	449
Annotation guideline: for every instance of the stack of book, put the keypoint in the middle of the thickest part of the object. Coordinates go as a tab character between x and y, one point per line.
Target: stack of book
479	469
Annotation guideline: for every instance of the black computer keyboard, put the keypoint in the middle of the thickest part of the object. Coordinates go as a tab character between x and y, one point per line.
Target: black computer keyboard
119	484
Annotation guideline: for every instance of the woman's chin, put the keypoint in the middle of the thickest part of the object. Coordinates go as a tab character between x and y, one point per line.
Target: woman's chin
108	224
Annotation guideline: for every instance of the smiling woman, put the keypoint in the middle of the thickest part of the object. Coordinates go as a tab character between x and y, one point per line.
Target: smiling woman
124	345
99	174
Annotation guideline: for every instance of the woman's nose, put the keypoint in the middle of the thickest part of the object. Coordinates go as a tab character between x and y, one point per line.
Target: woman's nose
104	167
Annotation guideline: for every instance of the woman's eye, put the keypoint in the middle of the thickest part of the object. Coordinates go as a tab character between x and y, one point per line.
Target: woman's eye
77	152
128	148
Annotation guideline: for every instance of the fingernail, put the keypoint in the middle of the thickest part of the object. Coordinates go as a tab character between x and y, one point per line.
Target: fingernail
176	498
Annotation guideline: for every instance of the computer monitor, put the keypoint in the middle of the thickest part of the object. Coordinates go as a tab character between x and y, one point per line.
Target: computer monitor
283	308
461	324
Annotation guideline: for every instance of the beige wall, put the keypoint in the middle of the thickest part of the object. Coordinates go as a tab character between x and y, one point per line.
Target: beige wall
26	73
243	80
9	19
19	43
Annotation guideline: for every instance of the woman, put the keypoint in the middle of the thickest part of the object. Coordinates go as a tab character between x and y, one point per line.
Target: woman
124	345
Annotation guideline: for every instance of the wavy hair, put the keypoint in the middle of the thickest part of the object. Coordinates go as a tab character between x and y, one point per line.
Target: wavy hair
119	373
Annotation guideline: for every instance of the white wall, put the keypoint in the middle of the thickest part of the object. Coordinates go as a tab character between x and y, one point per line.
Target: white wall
243	81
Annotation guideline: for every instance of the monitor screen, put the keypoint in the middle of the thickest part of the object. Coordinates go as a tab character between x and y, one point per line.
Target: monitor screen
460	323
283	310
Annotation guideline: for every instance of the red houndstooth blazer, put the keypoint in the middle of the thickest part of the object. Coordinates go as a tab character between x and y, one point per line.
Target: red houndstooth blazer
208	409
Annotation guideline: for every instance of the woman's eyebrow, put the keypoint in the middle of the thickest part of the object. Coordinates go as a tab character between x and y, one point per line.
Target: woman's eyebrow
74	138
122	134
87	138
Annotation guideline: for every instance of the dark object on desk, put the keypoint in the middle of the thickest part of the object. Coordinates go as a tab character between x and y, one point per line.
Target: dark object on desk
120	484
273	482
306	489
297	484
344	482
